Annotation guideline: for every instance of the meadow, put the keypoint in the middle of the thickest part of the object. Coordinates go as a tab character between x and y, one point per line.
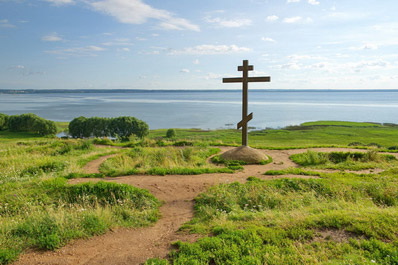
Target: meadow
335	217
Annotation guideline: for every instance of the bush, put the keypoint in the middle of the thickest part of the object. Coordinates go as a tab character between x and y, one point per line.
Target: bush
122	127
3	121
31	123
171	133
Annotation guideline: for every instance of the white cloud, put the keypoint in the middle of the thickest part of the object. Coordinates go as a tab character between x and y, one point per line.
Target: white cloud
297	19
184	71
16	67
60	2
78	51
268	39
4	23
125	49
229	23
313	2
211	50
293	1
118	42
140	39
367	46
210	76
52	37
292	19
22	70
371	64
272	18
137	12
196	61
291	65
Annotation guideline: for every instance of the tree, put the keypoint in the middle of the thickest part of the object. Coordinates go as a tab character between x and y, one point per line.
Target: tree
3	121
31	123
44	127
125	126
171	133
77	127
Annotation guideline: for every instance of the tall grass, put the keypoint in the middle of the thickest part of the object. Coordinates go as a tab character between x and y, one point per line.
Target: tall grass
281	222
162	161
39	210
47	214
345	160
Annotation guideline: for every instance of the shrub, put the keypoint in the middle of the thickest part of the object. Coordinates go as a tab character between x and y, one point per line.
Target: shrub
183	143
171	133
3	121
31	123
104	141
122	127
46	167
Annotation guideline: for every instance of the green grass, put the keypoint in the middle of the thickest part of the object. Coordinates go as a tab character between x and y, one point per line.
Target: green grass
39	210
342	124
62	126
345	160
314	134
47	214
162	161
282	222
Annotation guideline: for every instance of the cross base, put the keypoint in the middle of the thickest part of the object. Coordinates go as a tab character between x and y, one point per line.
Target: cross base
245	153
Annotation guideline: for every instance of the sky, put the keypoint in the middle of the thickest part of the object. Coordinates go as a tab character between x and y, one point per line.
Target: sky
187	44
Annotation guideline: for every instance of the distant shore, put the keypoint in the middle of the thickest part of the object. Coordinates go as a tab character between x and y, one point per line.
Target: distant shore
63	91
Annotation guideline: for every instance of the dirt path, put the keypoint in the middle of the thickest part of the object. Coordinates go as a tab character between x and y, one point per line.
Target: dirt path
135	246
93	166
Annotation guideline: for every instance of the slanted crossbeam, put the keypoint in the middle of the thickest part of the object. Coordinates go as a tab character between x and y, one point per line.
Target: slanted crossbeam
245	79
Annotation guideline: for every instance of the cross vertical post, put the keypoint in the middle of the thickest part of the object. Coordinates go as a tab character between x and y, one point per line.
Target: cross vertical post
245	74
245	79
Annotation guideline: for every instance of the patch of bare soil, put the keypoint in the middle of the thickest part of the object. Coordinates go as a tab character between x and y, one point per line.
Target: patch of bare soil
135	246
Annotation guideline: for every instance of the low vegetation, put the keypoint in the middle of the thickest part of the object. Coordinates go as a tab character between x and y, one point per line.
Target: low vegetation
47	214
39	210
327	134
334	218
345	160
337	220
162	161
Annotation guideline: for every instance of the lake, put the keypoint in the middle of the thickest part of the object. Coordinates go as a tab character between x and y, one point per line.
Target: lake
211	109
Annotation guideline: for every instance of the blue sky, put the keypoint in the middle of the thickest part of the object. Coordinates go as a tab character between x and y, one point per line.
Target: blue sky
182	44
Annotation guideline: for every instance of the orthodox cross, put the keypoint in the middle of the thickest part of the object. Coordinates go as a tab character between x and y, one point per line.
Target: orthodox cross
245	79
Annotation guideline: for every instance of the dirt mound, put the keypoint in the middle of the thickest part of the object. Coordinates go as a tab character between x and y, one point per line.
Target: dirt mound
245	153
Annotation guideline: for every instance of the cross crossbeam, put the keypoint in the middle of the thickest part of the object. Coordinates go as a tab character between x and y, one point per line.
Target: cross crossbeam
245	79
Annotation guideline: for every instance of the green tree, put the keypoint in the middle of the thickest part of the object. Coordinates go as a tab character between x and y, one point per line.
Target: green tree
44	127
77	127
125	126
171	133
3	121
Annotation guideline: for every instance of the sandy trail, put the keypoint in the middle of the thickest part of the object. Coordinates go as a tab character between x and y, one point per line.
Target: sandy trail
93	166
135	246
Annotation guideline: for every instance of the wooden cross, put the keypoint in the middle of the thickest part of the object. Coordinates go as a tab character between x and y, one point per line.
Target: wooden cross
245	79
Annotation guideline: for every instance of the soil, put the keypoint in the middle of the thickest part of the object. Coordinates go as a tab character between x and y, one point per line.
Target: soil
136	245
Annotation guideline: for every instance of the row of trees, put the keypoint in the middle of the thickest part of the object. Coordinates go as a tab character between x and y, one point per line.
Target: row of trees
27	123
122	127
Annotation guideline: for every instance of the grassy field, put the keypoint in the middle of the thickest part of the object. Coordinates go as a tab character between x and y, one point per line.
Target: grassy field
39	210
314	134
162	161
338	218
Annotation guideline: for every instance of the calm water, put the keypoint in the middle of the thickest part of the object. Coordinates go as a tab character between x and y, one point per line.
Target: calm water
211	110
